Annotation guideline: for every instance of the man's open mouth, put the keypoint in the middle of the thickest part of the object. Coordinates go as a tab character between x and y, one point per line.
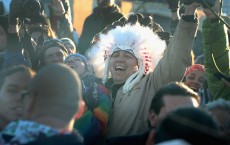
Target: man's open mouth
119	68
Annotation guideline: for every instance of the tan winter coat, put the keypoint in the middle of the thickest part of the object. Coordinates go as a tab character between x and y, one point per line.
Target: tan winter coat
129	114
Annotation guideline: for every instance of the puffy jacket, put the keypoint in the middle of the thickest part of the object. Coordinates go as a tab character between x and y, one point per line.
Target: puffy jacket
216	56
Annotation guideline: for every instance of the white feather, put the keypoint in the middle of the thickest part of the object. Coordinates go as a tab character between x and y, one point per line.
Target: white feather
142	40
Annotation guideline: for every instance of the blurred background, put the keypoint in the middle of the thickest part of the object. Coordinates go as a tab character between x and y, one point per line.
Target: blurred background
158	9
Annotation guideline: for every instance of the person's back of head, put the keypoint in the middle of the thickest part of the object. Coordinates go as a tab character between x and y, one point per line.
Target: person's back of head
220	110
218	104
192	125
56	93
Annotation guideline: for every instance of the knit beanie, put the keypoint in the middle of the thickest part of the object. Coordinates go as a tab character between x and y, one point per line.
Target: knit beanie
54	43
194	67
51	43
88	66
68	41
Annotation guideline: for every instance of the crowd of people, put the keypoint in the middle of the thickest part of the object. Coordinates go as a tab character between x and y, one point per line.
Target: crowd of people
126	81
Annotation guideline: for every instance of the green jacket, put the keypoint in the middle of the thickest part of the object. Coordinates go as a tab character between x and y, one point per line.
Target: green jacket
216	56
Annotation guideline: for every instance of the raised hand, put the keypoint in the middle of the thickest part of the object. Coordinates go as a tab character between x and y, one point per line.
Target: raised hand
215	8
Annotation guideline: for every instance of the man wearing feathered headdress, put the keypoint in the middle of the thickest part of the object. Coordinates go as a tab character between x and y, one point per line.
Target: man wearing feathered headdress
136	63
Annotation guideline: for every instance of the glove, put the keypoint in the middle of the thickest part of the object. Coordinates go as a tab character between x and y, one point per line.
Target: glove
88	78
90	94
173	5
16	10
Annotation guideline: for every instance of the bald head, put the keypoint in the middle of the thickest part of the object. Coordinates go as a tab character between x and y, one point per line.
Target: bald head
56	92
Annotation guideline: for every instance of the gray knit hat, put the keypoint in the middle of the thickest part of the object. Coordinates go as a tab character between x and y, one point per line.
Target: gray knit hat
88	65
68	41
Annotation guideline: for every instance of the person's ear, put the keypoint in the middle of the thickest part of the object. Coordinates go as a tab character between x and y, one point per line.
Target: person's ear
152	116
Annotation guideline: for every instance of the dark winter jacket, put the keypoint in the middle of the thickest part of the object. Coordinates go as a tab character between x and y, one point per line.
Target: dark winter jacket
96	22
13	54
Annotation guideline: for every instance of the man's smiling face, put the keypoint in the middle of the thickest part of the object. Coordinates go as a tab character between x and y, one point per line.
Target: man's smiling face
122	65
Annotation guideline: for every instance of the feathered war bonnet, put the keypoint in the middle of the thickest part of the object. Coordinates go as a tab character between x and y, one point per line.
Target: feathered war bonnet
135	35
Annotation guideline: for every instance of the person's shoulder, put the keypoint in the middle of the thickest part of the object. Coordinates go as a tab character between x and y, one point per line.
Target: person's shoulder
93	16
96	11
